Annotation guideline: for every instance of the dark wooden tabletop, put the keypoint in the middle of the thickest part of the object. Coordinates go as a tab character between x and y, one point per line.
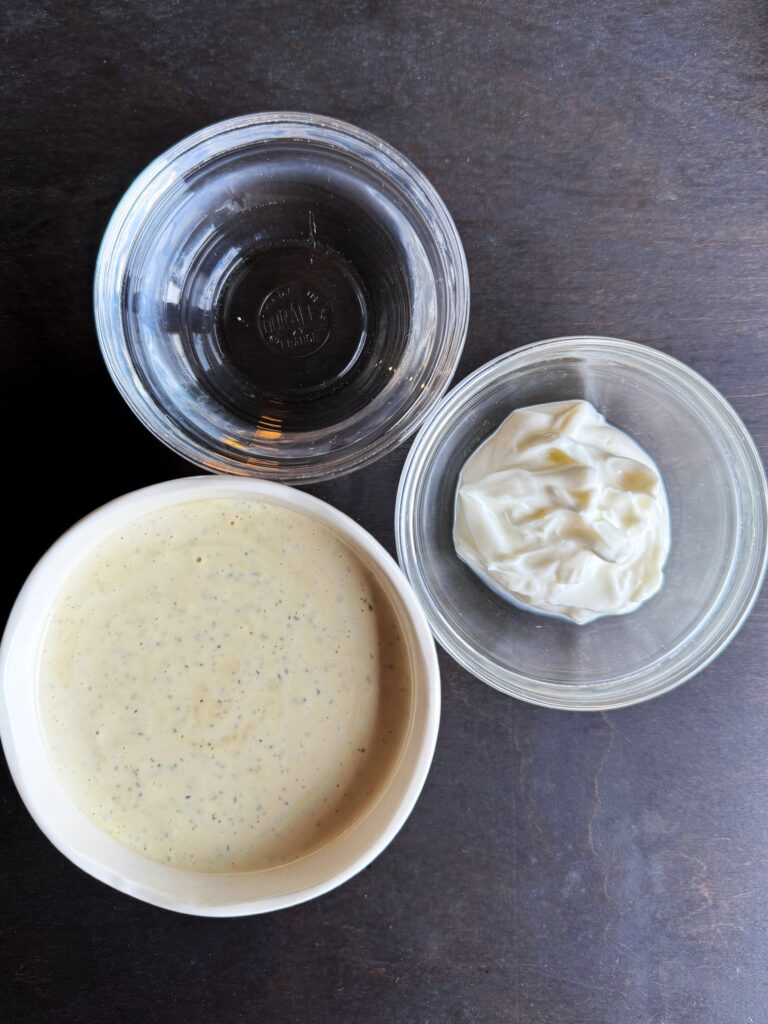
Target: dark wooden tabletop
607	165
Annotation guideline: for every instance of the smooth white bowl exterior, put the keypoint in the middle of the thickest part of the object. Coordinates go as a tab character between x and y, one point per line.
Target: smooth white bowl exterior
213	895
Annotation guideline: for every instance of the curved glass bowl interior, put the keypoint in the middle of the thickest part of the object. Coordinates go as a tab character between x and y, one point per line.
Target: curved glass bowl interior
716	494
293	298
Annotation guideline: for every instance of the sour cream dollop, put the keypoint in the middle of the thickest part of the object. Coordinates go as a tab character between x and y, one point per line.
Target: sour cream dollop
564	514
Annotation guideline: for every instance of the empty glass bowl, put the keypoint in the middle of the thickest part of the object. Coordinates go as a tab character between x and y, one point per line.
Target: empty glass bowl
281	295
717	498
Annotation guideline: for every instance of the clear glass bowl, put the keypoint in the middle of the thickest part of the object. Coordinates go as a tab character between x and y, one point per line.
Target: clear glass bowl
281	295
717	498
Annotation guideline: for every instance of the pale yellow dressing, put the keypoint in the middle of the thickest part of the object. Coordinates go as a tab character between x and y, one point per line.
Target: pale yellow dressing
224	686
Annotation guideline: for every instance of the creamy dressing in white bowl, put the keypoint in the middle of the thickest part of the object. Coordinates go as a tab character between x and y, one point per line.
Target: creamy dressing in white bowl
226	890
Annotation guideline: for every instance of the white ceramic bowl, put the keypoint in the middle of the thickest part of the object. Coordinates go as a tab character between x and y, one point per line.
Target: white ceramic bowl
213	895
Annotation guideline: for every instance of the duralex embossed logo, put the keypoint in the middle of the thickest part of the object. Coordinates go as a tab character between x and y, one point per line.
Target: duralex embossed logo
295	320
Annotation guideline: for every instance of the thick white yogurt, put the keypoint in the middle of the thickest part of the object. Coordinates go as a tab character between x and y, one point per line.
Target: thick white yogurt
564	513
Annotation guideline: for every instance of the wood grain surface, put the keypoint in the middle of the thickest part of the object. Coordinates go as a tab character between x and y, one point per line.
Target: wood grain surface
606	165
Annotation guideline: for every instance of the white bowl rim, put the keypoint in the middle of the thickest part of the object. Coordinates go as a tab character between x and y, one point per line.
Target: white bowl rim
178	491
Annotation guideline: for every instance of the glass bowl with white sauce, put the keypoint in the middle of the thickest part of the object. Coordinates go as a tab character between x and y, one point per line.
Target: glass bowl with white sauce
281	295
716	490
218	695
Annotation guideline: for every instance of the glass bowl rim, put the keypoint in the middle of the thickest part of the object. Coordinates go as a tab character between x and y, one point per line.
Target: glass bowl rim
195	150
713	633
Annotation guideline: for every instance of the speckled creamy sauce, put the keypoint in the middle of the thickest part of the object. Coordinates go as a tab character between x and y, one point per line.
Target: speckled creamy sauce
223	685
